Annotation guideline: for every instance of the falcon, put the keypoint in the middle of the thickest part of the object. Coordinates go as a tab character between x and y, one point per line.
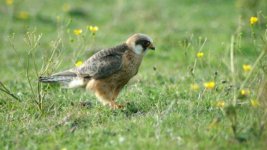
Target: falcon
107	71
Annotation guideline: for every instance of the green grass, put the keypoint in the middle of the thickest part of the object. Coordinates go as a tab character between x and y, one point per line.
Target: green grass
162	112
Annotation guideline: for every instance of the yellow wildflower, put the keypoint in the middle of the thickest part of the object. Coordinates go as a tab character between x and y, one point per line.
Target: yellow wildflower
253	20
209	85
244	92
194	87
93	29
9	2
66	7
23	15
77	31
78	63
246	67
58	18
200	54
254	103
220	104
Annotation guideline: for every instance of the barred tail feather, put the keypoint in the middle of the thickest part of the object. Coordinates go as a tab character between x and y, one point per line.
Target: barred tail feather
56	79
66	79
61	77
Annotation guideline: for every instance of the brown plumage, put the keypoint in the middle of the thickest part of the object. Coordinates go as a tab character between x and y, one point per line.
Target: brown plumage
108	71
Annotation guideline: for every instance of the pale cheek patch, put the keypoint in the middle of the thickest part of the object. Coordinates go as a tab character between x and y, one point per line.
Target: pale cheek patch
138	49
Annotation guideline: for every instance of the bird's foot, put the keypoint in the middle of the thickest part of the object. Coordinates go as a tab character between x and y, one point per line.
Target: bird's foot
116	106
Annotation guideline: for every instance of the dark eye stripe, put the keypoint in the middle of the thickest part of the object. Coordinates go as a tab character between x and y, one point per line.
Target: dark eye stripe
143	42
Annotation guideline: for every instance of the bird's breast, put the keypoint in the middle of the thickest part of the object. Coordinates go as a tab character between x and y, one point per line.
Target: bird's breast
131	63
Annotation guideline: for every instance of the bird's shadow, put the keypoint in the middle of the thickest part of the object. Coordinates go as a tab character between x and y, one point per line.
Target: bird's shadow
129	109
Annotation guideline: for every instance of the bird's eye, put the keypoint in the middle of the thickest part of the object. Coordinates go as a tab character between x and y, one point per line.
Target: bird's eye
146	43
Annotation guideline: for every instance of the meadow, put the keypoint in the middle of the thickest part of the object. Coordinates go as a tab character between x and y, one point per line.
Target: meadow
203	88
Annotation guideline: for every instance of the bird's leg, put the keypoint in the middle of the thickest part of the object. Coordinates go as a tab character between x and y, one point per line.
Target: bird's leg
108	98
114	96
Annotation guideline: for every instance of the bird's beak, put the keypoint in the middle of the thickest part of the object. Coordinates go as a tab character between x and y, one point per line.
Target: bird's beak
151	46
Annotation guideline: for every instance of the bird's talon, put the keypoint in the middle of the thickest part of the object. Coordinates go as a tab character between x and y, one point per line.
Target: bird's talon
116	106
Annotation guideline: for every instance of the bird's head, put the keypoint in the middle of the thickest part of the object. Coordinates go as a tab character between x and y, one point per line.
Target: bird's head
139	43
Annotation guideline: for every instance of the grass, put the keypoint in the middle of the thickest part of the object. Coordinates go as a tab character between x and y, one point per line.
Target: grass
162	111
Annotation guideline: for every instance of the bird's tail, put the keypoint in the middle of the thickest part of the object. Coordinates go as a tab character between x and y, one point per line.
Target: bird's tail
56	79
67	78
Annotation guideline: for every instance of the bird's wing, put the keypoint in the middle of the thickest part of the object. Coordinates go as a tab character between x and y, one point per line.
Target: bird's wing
103	64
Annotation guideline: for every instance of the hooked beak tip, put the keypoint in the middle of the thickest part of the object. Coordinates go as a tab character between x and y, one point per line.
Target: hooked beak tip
152	47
